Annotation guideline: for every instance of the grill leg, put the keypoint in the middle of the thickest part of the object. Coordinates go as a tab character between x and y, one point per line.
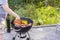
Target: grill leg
20	36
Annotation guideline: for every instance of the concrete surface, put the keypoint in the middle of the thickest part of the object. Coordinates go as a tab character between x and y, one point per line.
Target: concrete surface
45	33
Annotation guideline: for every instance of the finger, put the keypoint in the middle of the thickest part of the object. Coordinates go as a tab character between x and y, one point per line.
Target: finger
23	26
18	25
29	24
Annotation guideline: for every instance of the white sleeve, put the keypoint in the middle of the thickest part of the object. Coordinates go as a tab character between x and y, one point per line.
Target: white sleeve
3	2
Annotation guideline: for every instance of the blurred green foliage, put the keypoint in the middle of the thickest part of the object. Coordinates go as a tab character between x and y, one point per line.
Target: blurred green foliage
40	11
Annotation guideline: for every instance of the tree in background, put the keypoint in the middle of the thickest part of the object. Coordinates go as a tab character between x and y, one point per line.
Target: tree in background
41	11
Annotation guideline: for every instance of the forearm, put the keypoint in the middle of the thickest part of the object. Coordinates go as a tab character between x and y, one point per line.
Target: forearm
9	11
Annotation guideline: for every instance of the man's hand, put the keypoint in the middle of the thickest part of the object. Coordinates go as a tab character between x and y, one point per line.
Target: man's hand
18	25
22	25
17	17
